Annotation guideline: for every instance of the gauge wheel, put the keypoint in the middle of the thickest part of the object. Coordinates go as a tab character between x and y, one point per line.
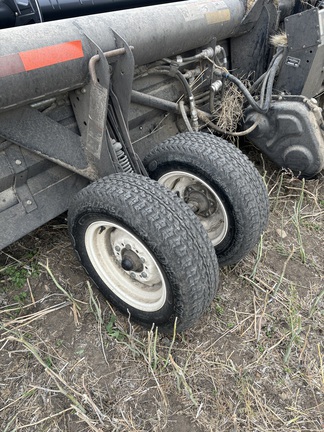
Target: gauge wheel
220	184
145	250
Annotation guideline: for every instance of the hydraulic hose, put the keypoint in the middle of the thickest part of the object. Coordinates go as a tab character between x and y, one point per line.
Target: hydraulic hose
206	120
256	84
269	77
244	90
176	73
184	116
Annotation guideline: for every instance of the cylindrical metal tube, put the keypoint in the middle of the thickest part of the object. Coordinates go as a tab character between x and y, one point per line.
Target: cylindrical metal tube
14	13
45	59
61	9
7	16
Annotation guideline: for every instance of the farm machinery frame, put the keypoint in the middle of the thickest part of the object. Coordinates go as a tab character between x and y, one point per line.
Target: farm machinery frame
113	117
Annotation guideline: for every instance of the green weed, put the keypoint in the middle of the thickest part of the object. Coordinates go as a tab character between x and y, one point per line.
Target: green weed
113	331
21	297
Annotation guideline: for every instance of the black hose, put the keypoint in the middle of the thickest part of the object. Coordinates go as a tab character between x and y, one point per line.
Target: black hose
270	76
168	71
271	79
264	88
245	91
256	84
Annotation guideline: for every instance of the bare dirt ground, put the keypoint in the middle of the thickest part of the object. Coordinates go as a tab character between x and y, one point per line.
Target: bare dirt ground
255	362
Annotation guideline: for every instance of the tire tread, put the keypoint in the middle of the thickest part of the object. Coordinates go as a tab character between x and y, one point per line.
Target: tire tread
170	229
225	161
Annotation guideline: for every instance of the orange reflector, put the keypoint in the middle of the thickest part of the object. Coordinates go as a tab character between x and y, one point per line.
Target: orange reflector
13	64
51	55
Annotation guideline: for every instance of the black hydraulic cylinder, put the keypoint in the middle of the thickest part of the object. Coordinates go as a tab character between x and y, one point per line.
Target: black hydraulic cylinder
21	12
7	16
71	8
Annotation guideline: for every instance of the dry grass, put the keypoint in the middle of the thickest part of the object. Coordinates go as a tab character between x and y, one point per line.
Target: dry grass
226	108
228	114
279	39
69	362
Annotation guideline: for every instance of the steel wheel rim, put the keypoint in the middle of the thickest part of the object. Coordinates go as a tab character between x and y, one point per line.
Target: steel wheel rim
107	244
216	224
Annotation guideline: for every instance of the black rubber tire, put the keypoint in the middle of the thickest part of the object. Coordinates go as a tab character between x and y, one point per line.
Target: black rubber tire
230	174
167	228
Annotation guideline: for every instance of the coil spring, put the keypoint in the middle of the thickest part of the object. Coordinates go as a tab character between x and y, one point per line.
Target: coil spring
122	158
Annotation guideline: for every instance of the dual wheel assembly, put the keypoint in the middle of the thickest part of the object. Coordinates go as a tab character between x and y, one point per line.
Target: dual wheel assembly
152	245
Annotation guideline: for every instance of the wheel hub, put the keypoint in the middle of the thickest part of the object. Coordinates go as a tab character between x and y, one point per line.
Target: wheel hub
199	202
202	199
131	261
125	265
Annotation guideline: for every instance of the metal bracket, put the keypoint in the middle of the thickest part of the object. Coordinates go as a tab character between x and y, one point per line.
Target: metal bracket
123	75
301	71
90	106
19	166
303	30
111	79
